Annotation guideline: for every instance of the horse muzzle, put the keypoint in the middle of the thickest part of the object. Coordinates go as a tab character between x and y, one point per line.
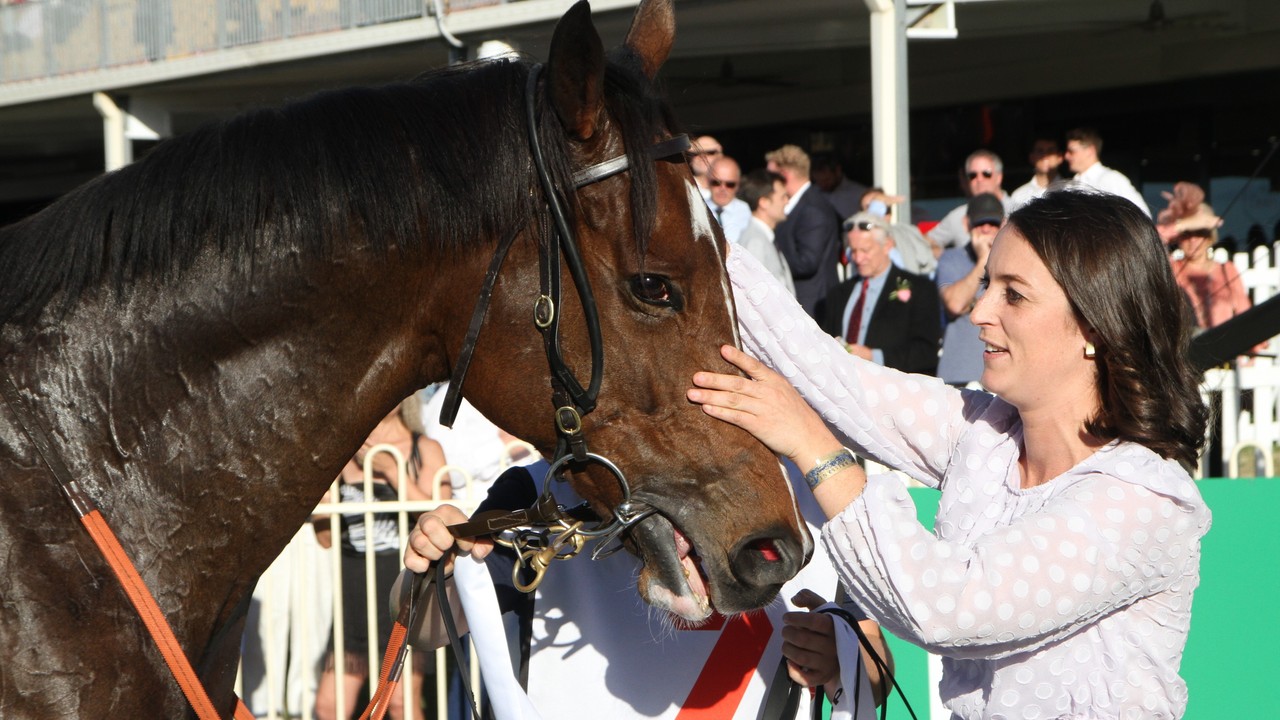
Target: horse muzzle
689	573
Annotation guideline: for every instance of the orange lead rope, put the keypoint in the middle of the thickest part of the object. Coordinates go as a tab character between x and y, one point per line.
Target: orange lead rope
153	618
125	571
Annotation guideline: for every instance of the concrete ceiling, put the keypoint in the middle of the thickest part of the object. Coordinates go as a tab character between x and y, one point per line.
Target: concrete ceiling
746	63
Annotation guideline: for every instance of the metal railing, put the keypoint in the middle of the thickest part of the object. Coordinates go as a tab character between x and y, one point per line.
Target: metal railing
303	591
51	38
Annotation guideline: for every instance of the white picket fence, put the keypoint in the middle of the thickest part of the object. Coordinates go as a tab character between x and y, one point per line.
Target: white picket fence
1250	389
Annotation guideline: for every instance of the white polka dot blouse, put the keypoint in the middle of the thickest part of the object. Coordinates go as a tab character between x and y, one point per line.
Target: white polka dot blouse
1067	600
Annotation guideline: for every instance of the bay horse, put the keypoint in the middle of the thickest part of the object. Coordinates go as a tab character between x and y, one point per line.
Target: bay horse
207	335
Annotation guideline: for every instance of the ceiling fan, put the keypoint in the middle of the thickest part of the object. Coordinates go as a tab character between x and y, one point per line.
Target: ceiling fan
1159	19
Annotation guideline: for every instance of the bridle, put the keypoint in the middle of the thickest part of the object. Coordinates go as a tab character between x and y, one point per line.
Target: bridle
570	399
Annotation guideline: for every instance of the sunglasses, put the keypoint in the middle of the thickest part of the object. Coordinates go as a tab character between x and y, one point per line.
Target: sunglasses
724	183
862	225
985	173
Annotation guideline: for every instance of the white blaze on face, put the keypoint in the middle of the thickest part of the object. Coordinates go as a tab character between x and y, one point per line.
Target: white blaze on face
703	230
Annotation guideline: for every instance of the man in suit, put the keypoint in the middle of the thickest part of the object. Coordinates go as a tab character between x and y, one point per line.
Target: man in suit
810	236
884	314
765	193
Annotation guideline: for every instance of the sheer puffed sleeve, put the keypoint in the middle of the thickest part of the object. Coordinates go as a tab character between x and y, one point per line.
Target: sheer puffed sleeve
907	422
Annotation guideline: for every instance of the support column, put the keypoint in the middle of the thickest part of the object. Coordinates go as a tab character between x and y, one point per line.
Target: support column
890	137
118	147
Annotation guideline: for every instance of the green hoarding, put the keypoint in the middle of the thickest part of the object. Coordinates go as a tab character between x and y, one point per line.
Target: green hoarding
1232	661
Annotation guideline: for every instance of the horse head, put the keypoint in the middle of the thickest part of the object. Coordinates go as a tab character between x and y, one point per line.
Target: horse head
726	532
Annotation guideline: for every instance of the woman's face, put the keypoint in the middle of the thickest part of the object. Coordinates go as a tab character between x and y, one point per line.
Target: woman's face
1034	356
1195	243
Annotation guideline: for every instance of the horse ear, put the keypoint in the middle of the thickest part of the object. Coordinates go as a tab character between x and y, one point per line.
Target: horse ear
575	72
652	33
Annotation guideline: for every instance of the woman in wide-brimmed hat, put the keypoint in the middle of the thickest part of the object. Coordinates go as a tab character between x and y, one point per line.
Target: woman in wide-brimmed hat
1215	290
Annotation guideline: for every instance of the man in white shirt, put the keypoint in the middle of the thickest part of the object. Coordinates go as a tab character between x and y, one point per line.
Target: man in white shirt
1045	158
765	193
732	213
983	173
1083	147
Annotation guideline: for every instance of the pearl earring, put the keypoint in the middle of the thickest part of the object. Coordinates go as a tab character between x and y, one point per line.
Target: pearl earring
1090	352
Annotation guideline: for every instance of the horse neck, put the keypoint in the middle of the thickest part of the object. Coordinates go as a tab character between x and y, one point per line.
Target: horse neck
208	409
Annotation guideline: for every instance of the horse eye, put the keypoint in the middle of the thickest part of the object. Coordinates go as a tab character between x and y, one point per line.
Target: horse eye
655	290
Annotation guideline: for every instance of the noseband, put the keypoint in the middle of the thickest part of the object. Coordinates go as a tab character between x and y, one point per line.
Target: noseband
570	399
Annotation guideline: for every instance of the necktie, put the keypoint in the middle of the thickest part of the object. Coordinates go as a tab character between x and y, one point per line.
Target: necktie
720	214
855	318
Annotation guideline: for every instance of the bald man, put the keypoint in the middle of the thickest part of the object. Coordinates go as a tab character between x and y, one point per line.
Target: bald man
732	213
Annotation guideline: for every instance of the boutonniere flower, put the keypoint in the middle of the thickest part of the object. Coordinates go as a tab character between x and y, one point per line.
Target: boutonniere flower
902	293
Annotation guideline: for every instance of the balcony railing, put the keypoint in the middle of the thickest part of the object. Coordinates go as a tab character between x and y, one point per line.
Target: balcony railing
51	38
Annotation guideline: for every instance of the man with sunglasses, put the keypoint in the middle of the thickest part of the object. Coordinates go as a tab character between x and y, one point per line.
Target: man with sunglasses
959	277
983	173
732	213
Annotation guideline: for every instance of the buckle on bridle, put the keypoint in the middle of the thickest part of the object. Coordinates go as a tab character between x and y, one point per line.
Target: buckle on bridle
568	420
544	312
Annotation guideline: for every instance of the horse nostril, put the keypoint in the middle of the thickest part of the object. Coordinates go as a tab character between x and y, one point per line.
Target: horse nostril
768	551
770	558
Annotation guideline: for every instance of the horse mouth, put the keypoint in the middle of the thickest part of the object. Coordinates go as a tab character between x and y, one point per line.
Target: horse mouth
673	579
691	571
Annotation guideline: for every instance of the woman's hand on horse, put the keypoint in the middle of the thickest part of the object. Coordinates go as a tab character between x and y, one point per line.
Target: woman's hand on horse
765	405
809	643
431	538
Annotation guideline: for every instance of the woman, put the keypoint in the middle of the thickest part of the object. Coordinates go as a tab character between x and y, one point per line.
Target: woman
1060	578
423	458
1215	289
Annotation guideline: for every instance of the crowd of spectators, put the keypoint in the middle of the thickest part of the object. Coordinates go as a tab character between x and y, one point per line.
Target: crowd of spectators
856	270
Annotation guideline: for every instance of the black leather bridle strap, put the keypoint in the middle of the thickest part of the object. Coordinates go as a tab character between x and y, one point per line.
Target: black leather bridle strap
559	240
453	396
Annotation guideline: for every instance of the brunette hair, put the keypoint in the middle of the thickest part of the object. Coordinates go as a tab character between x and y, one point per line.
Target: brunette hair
1086	136
1107	257
757	184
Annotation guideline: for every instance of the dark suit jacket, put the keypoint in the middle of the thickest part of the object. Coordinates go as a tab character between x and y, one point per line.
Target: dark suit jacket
908	333
810	241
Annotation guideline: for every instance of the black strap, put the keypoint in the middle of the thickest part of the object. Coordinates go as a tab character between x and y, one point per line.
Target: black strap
782	699
561	240
885	674
544	512
453	396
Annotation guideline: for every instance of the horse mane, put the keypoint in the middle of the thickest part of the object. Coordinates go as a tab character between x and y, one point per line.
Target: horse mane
442	158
